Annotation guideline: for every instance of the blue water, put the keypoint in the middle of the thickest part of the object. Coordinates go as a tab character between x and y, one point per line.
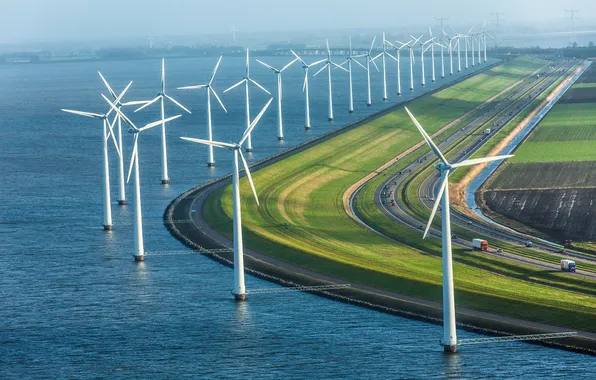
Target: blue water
74	303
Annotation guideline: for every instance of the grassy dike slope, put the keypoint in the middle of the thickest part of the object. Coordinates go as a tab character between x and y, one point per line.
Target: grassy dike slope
301	219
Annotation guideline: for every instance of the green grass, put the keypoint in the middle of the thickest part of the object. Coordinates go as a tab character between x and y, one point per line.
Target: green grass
541	175
583	85
301	219
555	151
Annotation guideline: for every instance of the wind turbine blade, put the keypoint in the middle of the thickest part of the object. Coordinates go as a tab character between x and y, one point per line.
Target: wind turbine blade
176	103
215	69
196	87
119	97
123	116
86	114
133	157
373	61
475	161
427	138
252	185
304	83
148	103
430	31
105	82
327	43
254	122
163	75
135	102
111	134
218	99
360	64
158	122
321	69
472	28
392	57
268	66
288	65
259	86
444	184
234	86
316	63
339	66
298	57
372	44
212	143
390	44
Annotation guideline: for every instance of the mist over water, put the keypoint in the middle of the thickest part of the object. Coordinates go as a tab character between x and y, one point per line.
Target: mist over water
74	304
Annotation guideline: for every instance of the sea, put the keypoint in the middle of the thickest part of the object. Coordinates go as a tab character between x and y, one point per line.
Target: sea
74	304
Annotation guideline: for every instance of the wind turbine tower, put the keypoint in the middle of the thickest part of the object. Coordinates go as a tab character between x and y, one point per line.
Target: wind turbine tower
449	341
234	30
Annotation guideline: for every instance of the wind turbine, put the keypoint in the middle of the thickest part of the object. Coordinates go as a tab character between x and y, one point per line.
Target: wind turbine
398	60
473	41
150	41
412	59
422	50
384	55
210	91
239	288
234	30
306	67
432	54
119	104
327	65
107	133
246	80
466	36
139	249
458	44
449	341
280	128
165	179
484	34
449	39
349	61
369	59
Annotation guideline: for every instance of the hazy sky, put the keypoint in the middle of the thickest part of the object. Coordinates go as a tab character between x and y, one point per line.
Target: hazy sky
55	20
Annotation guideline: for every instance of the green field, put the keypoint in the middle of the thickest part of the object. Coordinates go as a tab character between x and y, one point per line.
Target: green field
583	85
540	175
301	219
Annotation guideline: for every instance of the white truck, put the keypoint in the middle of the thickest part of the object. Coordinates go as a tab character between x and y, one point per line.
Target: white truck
480	245
568	265
487	131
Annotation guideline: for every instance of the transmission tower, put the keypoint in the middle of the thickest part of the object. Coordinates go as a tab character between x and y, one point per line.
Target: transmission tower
572	17
497	18
442	21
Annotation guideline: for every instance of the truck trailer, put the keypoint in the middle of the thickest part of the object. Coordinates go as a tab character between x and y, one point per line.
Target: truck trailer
568	265
480	245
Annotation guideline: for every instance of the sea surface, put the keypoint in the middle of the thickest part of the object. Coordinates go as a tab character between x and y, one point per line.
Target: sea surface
74	304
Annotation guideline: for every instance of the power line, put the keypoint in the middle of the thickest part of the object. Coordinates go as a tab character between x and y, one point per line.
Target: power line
442	20
497	18
572	17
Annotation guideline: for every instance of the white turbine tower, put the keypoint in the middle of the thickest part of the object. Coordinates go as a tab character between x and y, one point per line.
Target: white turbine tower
458	44
119	104
246	80
107	133
412	60
234	30
139	249
369	59
422	50
398	60
306	67
466	36
450	48
472	43
278	72
349	61
449	340
432	54
239	290
384	62
165	179
327	65
210	91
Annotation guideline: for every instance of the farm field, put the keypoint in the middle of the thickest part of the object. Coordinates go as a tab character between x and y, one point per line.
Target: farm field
301	219
555	168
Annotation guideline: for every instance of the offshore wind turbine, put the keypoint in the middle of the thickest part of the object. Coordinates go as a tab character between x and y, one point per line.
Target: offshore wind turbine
449	341
327	65
119	104
210	91
107	133
466	36
239	290
139	249
384	54
398	60
349	60
422	50
369	59
412	59
246	81
161	96
473	41
450	47
306	67
280	129
432	54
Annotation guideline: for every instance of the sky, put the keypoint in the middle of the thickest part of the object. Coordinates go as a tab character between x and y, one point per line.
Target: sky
67	20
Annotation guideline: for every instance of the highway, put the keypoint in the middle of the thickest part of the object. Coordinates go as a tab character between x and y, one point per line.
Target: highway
459	145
